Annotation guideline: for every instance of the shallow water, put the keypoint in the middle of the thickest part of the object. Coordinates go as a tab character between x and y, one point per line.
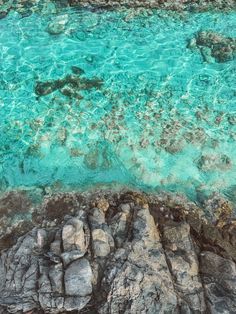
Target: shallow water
159	115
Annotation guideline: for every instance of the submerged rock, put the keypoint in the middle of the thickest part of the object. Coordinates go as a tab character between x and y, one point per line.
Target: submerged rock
3	14
76	70
214	45
146	254
69	86
212	162
57	26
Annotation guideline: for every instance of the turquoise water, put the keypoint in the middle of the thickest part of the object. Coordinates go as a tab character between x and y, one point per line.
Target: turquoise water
160	116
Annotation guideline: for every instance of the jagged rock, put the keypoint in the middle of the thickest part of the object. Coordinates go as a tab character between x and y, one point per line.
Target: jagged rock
217	209
55	246
73	236
41	238
78	278
75	303
183	262
101	234
139	280
71	256
101	245
120	224
219	277
143	254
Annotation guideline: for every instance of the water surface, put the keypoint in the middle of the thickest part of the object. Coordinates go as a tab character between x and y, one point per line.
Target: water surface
162	117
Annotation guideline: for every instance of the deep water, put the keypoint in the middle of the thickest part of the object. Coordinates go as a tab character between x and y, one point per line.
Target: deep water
159	118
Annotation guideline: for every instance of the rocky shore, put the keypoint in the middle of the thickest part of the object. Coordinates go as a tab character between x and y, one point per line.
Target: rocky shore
26	7
176	5
116	252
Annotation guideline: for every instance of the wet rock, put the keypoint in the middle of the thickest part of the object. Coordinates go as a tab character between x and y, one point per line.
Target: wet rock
15	216
10	232
58	206
14	202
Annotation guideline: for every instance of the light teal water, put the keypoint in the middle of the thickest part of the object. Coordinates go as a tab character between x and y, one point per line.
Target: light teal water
160	111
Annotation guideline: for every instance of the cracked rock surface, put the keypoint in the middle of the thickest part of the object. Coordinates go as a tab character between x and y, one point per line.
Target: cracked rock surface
122	252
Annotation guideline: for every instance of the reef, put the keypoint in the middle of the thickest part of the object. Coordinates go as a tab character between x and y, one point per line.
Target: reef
120	252
214	46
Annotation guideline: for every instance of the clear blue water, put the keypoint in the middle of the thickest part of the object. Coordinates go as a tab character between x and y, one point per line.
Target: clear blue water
159	115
